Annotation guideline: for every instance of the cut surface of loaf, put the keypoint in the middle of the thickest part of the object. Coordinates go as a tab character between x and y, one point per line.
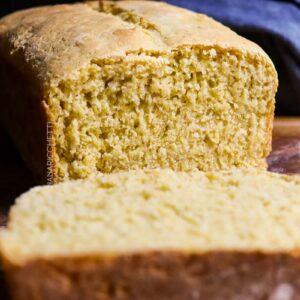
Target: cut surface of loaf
134	84
156	234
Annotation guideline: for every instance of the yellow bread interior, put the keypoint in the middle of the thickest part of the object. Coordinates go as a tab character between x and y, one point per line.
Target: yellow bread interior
155	210
191	108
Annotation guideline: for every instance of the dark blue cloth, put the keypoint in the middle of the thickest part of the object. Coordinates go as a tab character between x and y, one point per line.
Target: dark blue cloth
275	25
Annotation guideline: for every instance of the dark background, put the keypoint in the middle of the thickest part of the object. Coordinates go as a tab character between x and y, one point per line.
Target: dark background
8	6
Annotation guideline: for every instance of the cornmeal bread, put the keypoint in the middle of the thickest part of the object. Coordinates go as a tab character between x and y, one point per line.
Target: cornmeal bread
110	86
157	234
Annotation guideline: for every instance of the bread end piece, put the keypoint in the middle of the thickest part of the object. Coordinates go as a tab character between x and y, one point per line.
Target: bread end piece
143	85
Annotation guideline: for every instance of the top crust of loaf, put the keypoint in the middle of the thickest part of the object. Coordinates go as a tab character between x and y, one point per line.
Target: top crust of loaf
56	41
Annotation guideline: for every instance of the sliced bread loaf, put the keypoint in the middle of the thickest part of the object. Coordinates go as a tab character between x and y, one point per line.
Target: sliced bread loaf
157	234
132	84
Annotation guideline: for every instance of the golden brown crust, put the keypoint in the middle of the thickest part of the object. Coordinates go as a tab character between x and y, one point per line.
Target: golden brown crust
25	118
55	41
160	276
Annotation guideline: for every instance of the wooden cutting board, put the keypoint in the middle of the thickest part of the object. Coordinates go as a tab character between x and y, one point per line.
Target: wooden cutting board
16	179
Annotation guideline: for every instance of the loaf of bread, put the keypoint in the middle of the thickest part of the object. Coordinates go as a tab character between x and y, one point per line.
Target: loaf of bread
157	234
134	84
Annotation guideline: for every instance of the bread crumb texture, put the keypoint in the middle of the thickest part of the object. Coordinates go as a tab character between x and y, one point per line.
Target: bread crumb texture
190	109
140	84
156	210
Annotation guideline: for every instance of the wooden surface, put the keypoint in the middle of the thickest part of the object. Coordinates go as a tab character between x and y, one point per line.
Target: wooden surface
285	156
16	179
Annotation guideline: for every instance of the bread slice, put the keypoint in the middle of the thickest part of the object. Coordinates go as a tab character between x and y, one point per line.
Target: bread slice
157	234
129	85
